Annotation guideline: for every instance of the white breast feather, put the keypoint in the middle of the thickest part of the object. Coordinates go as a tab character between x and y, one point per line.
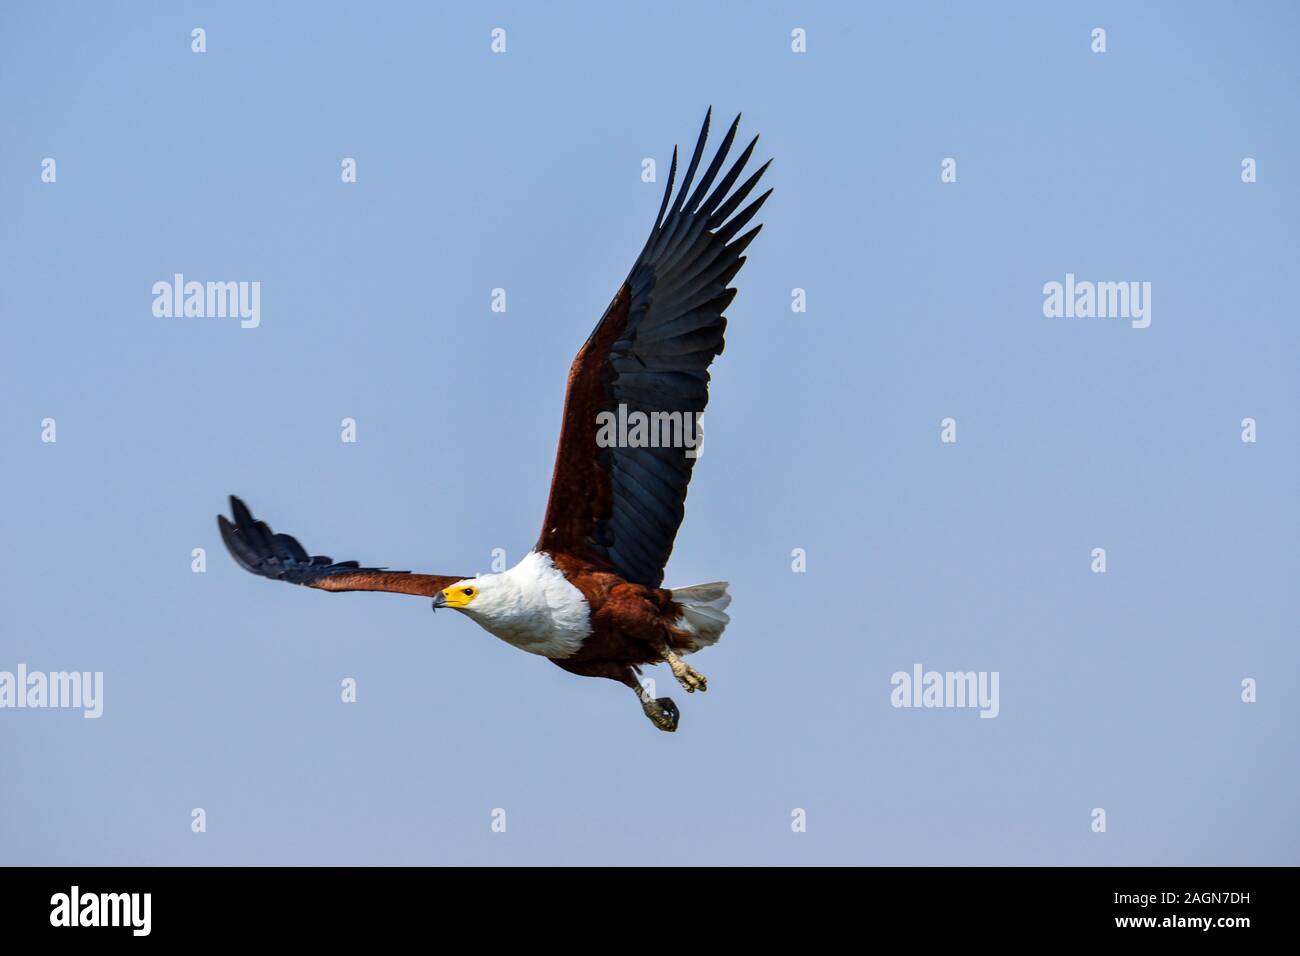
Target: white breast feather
534	607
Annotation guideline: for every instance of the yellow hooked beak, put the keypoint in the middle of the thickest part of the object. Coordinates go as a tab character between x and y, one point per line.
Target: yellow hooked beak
457	597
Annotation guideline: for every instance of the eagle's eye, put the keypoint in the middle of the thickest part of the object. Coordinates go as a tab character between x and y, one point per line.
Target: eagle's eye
469	592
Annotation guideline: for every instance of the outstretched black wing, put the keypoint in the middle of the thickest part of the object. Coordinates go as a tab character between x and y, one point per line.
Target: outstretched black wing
256	548
650	353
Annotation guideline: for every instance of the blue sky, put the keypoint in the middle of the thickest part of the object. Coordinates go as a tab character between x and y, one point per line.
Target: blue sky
523	171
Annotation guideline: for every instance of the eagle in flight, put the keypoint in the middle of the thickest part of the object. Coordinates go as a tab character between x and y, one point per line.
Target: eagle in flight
588	595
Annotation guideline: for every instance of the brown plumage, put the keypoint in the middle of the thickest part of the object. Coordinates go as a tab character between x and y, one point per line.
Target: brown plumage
589	595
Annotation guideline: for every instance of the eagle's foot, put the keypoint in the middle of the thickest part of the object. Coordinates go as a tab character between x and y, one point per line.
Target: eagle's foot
662	712
690	679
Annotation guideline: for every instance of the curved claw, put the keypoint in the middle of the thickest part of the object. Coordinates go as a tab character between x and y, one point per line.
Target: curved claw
690	679
663	713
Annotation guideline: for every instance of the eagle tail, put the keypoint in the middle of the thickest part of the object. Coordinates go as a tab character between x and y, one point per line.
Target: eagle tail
704	612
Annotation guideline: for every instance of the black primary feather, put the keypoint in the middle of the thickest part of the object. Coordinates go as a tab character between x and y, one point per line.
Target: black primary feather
256	548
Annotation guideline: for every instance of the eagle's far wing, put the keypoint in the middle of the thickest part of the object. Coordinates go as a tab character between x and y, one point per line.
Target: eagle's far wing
650	353
281	558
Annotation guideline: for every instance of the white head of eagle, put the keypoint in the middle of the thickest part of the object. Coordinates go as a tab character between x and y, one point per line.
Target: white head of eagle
532	606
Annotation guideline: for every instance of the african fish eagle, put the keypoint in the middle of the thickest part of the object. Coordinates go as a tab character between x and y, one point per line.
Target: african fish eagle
588	595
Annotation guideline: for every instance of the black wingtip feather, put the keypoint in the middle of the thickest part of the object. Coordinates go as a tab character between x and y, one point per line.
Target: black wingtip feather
693	204
709	205
695	161
668	192
280	557
742	218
